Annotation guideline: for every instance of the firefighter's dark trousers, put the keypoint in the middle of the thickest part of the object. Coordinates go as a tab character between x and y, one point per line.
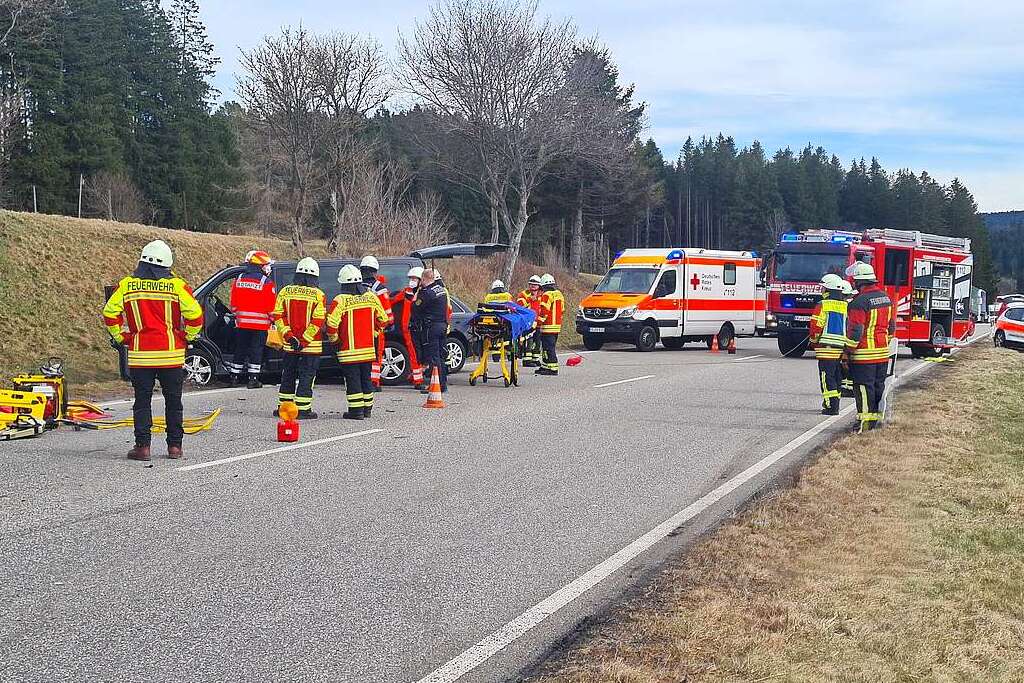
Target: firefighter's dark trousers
171	381
868	388
358	386
547	343
248	358
830	376
298	375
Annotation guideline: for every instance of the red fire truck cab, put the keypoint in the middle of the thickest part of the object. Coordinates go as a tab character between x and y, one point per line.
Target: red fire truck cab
928	277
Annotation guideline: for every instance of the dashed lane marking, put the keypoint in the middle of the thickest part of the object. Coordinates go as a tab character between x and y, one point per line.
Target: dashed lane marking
622	381
280	449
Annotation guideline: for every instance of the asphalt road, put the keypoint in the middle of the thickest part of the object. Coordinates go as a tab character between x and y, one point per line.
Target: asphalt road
380	556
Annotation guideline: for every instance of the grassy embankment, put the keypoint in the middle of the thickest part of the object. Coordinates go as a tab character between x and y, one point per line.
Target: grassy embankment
899	556
53	270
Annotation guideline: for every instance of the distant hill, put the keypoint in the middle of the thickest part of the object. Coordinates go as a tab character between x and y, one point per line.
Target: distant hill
1003	220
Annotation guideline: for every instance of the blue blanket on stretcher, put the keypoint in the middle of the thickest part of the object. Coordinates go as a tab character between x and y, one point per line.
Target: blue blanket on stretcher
521	318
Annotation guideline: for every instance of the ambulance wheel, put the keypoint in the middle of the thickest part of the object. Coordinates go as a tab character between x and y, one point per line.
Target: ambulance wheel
793	345
999	340
725	336
672	343
593	342
198	368
647	338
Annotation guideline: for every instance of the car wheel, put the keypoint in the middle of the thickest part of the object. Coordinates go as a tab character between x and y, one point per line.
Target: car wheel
592	342
672	343
394	366
198	368
646	338
999	339
793	345
455	354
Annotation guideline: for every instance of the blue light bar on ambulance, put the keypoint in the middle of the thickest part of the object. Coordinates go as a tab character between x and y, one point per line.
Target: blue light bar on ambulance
675	255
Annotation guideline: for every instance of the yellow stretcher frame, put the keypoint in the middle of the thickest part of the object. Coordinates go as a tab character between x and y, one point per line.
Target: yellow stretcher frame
507	361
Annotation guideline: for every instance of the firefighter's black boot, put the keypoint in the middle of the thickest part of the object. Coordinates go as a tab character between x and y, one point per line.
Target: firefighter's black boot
254	382
366	413
353	414
307	415
832	409
235	379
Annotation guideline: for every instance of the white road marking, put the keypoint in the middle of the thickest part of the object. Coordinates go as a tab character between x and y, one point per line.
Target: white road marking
479	653
740	360
188	394
622	381
281	449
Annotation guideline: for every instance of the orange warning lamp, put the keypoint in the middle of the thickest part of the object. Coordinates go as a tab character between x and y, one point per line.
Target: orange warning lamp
287	427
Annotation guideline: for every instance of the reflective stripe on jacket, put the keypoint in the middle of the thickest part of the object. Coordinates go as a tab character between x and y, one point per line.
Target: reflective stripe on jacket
253	297
497	298
300	313
870	325
155	319
353	323
828	328
552	305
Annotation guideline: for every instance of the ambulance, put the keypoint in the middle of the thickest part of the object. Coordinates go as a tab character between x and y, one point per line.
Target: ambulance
674	296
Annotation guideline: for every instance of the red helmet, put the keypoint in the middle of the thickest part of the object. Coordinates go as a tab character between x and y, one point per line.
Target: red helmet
259	258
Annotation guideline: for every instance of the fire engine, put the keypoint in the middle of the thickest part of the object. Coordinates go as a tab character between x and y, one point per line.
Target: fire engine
675	296
928	278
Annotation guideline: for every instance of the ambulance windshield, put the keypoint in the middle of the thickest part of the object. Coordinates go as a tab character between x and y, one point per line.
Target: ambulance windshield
808	266
628	280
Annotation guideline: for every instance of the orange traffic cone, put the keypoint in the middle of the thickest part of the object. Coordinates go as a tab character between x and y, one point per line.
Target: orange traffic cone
434	399
714	344
732	346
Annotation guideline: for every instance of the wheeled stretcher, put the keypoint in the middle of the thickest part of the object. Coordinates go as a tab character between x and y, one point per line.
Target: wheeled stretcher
504	330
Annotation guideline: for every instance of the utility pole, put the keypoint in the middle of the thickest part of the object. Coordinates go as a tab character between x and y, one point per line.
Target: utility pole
35	205
81	186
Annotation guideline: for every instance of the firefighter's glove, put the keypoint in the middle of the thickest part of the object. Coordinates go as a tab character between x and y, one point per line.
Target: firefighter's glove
295	344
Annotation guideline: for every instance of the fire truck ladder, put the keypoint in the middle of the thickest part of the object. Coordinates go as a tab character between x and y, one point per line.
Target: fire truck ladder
917	238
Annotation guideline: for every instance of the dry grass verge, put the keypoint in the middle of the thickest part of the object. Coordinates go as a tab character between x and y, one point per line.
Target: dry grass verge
899	556
53	270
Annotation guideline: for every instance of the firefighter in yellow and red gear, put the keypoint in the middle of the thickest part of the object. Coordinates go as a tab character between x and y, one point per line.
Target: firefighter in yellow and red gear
369	268
401	308
549	323
154	314
253	296
299	317
870	326
530	298
354	321
828	335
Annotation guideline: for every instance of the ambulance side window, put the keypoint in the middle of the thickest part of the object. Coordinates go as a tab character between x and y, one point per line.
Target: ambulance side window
729	274
667	284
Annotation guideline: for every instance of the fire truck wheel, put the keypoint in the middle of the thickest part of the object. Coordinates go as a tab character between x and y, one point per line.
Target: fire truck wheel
938	337
793	345
647	338
593	342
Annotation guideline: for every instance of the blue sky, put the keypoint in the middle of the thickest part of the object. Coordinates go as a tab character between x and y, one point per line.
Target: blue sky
924	84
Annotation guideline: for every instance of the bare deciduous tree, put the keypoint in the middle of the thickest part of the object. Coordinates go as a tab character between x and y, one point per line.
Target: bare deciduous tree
496	75
27	17
282	94
115	197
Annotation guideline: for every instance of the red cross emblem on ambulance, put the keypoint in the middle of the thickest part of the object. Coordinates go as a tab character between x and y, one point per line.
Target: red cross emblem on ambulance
695	282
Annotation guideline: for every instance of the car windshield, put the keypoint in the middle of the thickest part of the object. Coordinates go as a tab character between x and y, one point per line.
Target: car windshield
628	280
808	266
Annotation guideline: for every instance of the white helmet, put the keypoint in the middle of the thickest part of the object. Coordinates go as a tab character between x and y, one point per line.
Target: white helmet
832	282
861	271
349	275
369	262
497	284
307	266
416	272
158	253
848	289
534	280
547	279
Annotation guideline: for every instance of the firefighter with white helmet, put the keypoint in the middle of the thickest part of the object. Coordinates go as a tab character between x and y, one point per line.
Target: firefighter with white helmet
253	297
154	314
549	323
298	316
401	307
498	295
369	268
354	321
530	298
828	335
870	326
